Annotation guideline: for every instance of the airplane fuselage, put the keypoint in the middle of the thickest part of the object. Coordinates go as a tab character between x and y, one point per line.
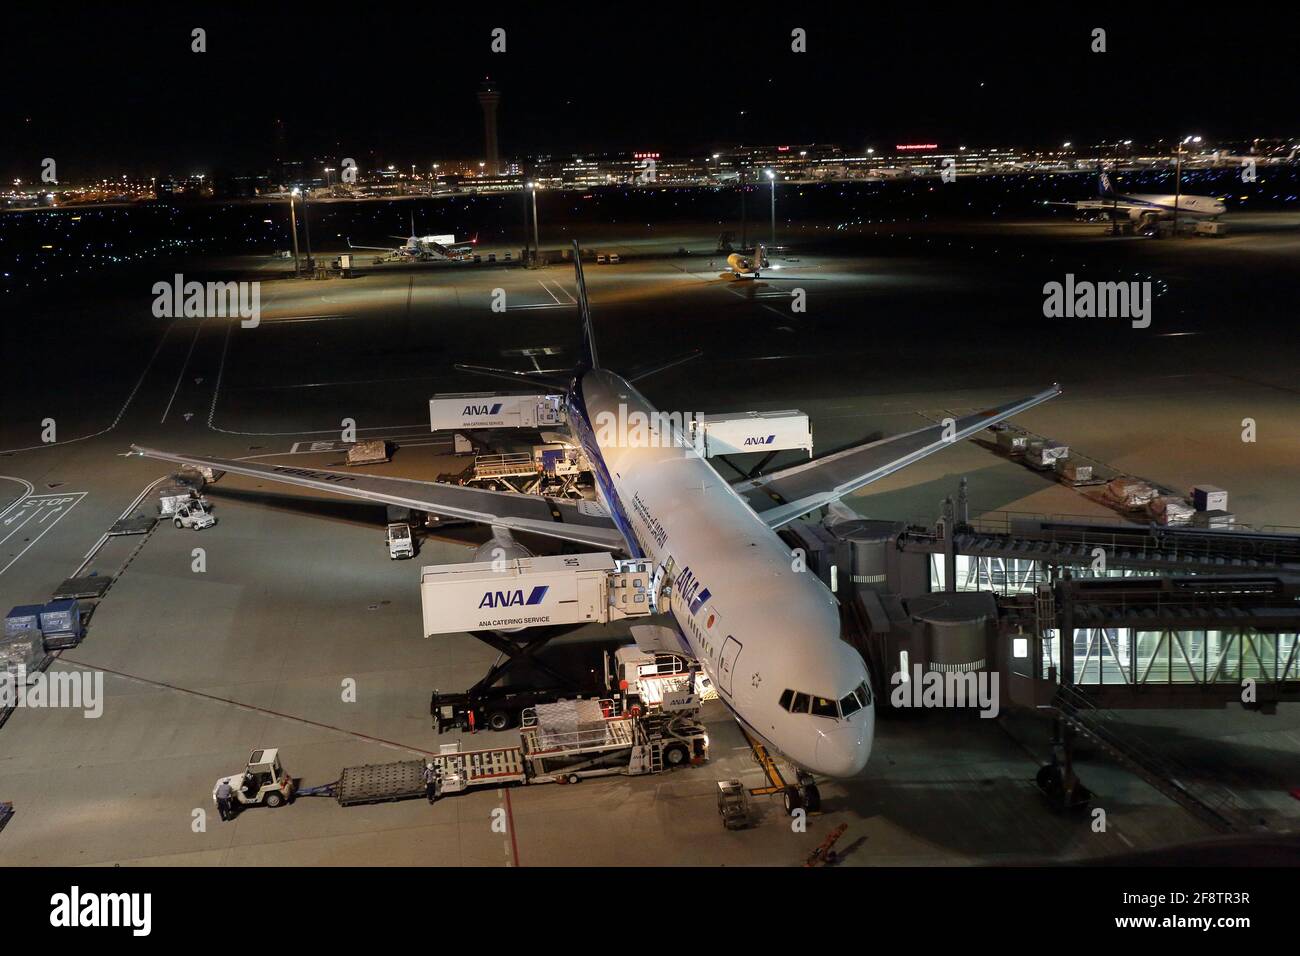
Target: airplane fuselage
757	624
1163	206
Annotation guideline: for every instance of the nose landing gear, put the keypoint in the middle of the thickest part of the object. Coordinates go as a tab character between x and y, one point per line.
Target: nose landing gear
803	796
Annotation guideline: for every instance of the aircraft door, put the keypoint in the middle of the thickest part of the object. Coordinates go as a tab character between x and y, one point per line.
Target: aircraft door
727	663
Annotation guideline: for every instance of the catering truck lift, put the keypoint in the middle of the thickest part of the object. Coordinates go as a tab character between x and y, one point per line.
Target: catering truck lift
518	607
464	411
564	742
634	679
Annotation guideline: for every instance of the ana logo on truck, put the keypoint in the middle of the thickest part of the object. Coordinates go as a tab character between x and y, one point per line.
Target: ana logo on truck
760	440
513	598
482	409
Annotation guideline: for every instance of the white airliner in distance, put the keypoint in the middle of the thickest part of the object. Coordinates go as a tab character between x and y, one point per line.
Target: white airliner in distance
423	247
1219	159
1146	208
748	266
766	634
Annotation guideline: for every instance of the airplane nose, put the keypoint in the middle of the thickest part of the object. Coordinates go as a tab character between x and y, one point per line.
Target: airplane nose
844	751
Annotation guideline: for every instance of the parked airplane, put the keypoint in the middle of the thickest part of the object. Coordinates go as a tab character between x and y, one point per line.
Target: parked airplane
732	597
410	249
1146	208
424	247
1219	159
748	267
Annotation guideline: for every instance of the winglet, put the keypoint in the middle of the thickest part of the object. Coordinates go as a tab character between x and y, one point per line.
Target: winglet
589	357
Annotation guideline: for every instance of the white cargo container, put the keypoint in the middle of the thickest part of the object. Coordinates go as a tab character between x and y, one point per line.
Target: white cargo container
733	434
532	592
454	411
1209	498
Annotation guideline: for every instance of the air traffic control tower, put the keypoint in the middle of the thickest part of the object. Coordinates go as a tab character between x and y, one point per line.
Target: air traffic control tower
489	98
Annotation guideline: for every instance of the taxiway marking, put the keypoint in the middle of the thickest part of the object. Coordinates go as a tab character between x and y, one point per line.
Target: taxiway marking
27	490
181	373
56	506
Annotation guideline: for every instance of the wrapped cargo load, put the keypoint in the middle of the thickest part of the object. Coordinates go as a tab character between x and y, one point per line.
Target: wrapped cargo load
1169	510
1214	519
25	650
203	474
1013	441
1130	493
176	495
1071	469
565	722
1043	453
368	453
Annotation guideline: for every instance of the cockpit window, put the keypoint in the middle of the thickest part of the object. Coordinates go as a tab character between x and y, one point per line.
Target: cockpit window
821	707
864	694
850	703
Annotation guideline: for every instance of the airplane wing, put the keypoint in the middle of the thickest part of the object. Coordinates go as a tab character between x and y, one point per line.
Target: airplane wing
786	494
375	248
1106	205
582	522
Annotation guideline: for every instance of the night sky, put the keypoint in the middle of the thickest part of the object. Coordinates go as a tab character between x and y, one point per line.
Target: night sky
109	92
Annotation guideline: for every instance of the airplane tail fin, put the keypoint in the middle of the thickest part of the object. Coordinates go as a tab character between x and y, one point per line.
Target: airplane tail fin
1104	188
590	359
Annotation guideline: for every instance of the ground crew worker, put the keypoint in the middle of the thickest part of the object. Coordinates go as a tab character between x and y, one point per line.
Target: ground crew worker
223	800
430	776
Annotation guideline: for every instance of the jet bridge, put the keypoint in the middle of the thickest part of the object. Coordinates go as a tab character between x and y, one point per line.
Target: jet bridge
1158	617
1079	621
